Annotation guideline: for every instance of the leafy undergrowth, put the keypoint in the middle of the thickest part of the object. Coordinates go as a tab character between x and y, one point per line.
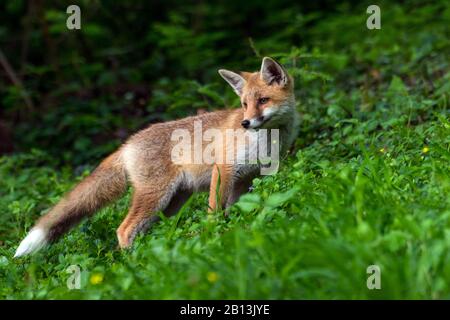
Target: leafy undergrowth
311	231
367	184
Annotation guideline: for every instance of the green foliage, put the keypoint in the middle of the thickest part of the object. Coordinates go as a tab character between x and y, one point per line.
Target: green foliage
368	182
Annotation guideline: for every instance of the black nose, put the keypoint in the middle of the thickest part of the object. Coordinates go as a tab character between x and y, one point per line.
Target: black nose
245	123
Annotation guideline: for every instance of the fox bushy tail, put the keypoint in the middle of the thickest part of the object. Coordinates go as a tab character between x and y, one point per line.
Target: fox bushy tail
106	183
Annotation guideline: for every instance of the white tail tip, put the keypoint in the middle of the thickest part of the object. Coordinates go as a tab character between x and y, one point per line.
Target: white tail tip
34	241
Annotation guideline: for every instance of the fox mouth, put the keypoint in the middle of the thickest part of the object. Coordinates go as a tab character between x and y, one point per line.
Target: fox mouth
259	122
263	122
254	123
272	118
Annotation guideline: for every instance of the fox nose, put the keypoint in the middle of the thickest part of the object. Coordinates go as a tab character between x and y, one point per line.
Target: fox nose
245	123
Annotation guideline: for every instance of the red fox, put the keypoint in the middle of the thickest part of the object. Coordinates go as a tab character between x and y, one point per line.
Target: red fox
159	184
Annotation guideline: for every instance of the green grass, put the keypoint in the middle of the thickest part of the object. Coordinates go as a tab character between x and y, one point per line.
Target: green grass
367	183
309	232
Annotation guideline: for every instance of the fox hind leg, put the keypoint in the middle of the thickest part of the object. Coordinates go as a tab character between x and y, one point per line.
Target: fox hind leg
146	200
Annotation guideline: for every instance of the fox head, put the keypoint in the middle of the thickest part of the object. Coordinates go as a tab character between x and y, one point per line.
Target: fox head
267	96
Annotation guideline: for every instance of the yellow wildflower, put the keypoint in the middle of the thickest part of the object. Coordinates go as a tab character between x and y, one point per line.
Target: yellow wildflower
96	278
212	277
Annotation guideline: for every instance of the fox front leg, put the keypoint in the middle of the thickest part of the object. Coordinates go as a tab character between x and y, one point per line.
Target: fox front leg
220	187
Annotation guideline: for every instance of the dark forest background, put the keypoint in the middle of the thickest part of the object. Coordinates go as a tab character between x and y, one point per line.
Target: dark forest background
78	93
366	183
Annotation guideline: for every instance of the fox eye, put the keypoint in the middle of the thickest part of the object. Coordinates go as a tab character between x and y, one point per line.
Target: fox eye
263	100
245	105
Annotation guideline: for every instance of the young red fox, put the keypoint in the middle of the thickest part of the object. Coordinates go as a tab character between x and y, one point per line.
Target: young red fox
159	184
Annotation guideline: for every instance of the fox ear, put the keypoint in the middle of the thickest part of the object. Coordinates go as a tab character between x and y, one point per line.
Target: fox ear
236	81
272	72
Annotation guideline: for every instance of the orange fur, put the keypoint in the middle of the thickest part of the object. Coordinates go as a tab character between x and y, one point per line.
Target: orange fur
161	185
